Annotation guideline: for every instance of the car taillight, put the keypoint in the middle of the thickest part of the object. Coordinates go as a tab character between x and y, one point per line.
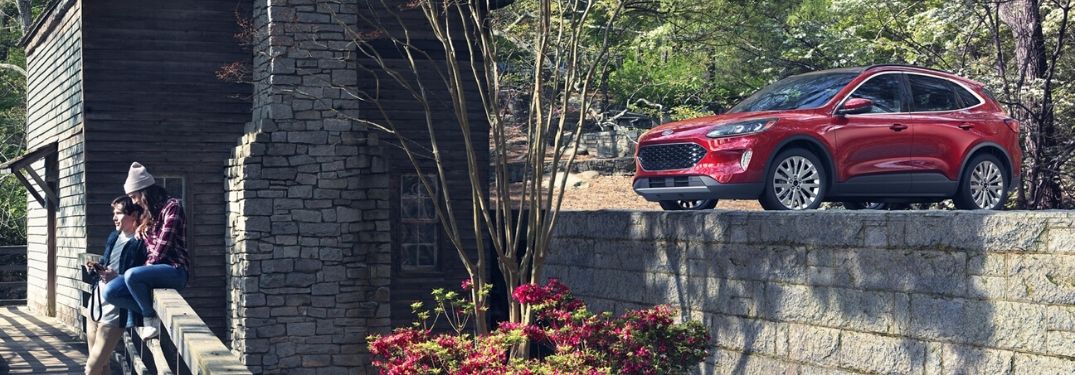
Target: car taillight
1012	124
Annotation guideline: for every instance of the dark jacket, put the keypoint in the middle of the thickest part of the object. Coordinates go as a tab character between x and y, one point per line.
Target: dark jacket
134	254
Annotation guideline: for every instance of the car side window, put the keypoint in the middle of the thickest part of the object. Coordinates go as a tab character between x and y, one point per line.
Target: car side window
968	100
930	94
884	91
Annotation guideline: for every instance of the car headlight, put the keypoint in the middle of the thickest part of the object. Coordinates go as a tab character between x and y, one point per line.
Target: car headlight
740	128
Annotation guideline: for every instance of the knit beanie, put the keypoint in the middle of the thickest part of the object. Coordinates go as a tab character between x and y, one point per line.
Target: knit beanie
137	179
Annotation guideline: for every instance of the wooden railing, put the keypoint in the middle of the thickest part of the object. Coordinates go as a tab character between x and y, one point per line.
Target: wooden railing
196	345
186	345
12	275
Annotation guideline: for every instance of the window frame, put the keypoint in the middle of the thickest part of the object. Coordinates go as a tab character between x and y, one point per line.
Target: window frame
905	92
433	222
163	182
908	95
959	100
905	104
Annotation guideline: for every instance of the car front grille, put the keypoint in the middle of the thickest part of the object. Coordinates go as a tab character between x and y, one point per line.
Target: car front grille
674	156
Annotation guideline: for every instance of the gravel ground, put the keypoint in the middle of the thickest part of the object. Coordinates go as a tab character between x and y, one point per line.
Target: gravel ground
614	193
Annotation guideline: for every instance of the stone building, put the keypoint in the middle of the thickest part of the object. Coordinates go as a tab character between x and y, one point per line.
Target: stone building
303	225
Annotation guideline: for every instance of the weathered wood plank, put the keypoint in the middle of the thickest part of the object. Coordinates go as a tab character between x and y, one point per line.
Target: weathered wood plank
150	75
199	348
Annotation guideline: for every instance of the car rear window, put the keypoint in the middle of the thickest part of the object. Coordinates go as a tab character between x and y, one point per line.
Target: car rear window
931	94
966	97
804	91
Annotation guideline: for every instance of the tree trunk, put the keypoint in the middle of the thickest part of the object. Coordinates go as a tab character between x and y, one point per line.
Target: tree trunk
1039	131
26	15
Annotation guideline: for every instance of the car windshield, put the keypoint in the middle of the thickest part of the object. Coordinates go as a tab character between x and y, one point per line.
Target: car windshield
796	92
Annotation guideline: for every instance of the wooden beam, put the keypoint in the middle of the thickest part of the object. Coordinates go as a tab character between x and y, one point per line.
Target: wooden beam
30	157
51	195
137	366
159	360
30	188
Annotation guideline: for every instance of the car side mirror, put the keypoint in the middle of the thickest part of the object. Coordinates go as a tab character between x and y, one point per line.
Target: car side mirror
855	106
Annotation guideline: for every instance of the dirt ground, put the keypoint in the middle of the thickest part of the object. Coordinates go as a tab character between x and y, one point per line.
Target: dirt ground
614	193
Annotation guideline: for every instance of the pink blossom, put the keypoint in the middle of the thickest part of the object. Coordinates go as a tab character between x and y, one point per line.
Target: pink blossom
641	342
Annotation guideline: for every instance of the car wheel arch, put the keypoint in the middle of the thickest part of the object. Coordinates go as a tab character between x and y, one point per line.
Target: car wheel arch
995	150
811	144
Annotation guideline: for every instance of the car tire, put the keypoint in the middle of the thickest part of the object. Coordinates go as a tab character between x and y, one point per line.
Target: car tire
688	205
983	184
866	205
804	191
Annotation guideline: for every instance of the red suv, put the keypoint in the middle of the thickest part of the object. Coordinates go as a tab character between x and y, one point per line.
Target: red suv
885	133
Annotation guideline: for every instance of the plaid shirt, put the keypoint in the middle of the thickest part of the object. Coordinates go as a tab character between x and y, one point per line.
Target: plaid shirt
165	241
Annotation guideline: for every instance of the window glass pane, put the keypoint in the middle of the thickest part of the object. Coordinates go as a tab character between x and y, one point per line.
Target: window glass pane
418	224
425	255
803	91
418	232
884	91
931	94
408	258
969	100
174	186
412	187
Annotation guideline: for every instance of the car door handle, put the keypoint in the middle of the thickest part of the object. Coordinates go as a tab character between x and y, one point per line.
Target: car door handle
898	127
966	126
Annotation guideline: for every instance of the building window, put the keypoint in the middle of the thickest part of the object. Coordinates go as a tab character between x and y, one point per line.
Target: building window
174	186
418	224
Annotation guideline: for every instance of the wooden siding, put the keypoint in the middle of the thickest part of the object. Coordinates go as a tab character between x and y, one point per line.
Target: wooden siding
54	114
153	97
408	116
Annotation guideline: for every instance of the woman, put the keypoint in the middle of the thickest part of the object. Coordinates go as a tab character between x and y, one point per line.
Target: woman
122	252
162	227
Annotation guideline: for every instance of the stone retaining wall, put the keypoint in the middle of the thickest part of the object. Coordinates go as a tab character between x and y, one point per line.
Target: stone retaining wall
935	292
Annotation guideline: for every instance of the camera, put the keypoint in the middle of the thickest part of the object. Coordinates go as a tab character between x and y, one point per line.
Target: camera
95	268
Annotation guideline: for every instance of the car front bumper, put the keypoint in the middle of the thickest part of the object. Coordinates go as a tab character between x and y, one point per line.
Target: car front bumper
693	188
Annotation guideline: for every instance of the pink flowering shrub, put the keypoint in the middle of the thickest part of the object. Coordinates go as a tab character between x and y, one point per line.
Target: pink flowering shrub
645	341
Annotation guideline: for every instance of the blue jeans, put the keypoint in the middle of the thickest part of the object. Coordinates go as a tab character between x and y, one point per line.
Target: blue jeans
133	289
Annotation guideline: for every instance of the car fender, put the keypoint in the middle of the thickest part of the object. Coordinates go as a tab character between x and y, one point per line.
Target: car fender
820	144
978	146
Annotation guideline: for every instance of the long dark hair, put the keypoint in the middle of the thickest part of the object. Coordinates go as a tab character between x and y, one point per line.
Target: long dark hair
152	200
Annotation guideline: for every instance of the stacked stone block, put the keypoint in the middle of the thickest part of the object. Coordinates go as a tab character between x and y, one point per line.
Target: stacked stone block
933	292
308	239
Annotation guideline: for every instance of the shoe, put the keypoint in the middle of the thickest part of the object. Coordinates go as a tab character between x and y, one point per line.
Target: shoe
149	329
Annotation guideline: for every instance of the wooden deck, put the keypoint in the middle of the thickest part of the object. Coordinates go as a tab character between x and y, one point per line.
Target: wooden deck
33	344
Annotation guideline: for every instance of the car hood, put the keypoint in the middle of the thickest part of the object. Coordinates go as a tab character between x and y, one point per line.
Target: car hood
701	125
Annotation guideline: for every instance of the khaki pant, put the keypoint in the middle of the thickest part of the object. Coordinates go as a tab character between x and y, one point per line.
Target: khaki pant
101	339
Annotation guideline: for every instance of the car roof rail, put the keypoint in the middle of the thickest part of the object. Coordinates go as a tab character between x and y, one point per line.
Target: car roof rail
905	66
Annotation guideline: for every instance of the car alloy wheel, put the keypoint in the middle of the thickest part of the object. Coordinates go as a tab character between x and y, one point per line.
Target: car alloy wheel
986	184
983	185
797	183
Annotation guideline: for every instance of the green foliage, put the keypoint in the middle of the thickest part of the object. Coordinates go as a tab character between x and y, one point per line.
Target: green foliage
12	127
717	52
